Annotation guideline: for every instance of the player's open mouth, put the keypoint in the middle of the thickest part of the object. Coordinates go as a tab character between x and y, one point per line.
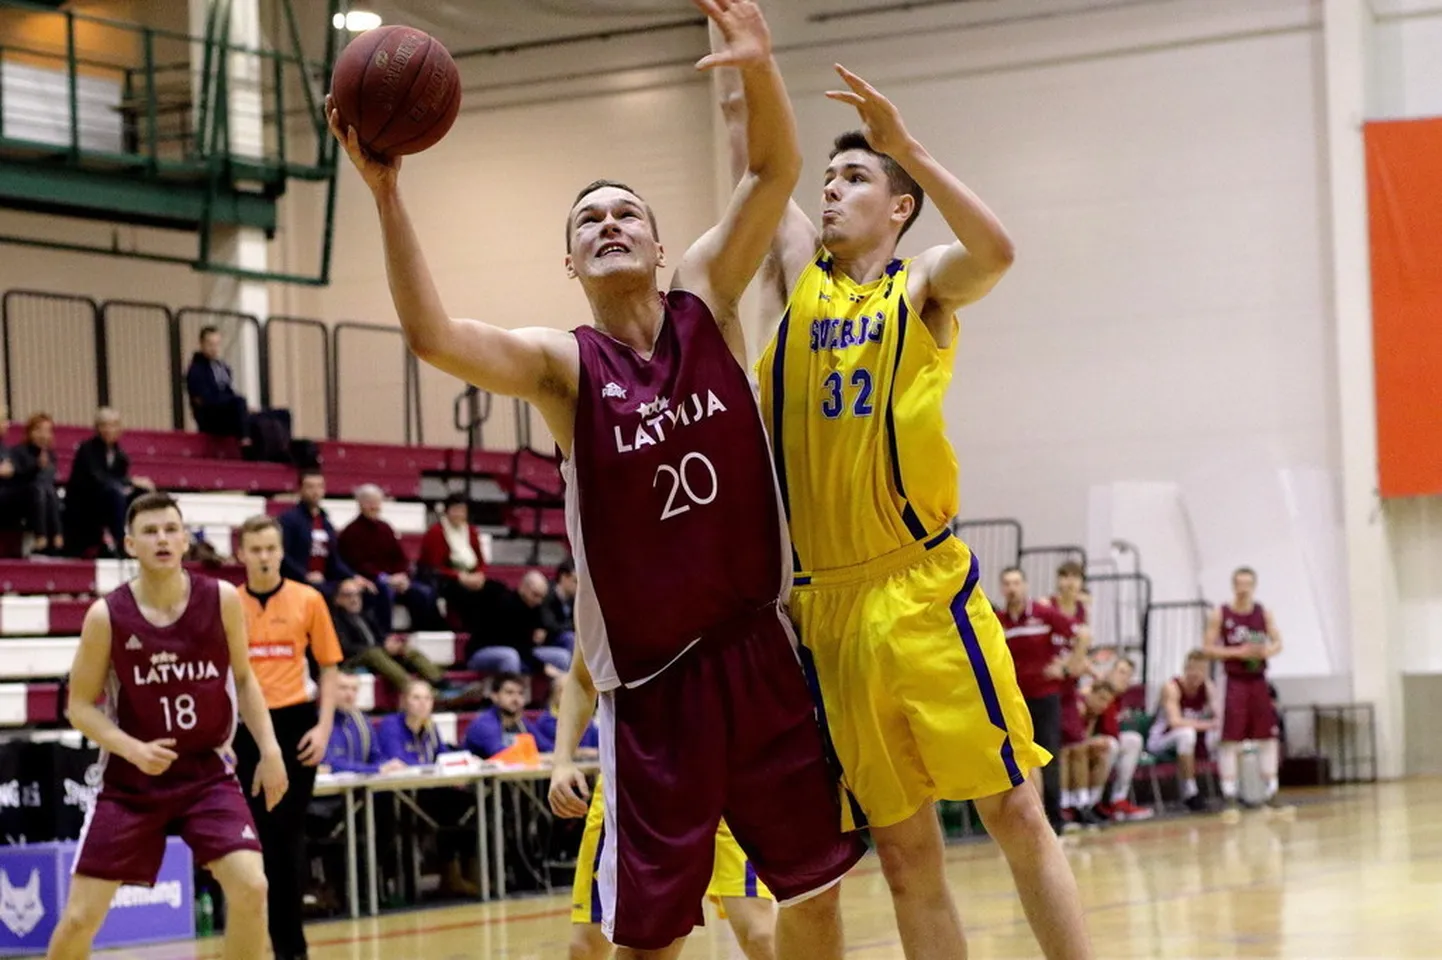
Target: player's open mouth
162	554
611	248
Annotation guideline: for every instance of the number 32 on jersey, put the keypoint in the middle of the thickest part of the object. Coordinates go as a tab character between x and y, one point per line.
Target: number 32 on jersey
838	396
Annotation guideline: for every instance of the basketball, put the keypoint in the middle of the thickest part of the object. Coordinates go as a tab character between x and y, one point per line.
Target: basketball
399	88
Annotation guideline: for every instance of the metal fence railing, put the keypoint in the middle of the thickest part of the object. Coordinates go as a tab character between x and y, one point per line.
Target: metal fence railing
296	359
52	358
1038	565
373	406
142	364
996	544
1173	629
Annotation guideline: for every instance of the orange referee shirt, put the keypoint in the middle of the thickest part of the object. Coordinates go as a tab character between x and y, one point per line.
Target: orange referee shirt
292	620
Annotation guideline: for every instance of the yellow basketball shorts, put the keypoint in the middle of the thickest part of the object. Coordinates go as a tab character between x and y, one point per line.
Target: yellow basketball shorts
916	681
731	873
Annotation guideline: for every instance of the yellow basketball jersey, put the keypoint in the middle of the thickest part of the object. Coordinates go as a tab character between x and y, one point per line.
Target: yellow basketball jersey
851	389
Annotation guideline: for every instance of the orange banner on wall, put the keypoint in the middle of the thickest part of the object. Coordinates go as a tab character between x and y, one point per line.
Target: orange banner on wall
1404	195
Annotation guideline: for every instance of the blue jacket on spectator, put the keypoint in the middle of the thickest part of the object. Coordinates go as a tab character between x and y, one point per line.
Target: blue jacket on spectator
487	735
352	747
546	727
394	741
295	536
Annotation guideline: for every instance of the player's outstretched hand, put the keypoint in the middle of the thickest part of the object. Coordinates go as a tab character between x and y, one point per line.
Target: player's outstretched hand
744	30
881	122
570	796
270	776
378	172
155	757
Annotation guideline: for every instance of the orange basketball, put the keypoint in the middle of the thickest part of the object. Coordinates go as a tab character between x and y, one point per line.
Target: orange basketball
399	88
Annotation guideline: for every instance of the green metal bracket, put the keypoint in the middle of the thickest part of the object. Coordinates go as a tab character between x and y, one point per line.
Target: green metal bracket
187	179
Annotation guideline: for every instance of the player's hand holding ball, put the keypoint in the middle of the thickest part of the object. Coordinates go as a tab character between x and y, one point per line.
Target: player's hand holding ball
153	758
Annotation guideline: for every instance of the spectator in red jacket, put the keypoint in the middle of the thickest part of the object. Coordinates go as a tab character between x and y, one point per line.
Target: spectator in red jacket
371	547
451	557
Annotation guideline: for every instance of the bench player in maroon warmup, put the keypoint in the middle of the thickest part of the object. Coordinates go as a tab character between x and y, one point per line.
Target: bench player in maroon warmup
168	652
674	517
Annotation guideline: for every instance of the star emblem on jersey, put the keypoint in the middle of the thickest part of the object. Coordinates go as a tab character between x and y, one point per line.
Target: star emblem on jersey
614	390
133	643
654	408
159	658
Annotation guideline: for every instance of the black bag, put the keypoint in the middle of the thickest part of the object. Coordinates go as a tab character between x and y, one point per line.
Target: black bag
305	454
269	437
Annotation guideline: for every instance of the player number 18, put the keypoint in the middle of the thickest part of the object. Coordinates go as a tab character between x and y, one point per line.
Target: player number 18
703	473
184	716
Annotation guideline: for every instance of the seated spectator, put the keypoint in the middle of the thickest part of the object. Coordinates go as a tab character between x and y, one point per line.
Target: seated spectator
514	639
14	501
100	489
218	409
34	477
309	541
365	644
412	738
451	558
558	612
1189	709
496	729
1126	748
353	747
371	547
545	725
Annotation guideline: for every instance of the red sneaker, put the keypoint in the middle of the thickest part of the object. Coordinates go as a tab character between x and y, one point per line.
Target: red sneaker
1126	810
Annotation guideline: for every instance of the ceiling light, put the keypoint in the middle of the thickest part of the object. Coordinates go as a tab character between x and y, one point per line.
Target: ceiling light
357	21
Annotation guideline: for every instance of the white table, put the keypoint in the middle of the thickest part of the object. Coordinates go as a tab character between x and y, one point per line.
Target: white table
490	848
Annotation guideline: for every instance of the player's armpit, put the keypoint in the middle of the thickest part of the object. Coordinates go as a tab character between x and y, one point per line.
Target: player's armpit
953	278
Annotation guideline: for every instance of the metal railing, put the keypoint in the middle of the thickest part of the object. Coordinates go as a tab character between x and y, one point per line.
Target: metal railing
996	544
1038	565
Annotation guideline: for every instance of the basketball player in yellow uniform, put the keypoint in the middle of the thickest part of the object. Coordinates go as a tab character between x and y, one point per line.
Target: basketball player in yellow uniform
915	680
740	896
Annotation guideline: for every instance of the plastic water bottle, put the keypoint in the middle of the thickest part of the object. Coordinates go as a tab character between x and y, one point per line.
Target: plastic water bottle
205	915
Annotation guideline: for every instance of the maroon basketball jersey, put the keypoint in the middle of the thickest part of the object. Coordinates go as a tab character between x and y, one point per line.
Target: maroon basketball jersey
1192	706
671	499
170	682
1067	641
1243	628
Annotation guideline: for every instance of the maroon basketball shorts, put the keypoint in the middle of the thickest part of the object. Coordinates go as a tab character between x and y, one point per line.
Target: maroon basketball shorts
1249	714
124	836
728	729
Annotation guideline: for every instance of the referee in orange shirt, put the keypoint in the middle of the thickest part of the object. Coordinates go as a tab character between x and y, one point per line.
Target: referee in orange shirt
285	621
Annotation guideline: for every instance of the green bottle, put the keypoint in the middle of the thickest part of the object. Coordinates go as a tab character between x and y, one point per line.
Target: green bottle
205	915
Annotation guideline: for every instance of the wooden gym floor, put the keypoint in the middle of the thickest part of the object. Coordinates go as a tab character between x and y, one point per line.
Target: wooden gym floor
1356	872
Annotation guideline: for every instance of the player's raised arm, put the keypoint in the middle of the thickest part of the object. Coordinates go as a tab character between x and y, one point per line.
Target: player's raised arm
525	363
720	266
270	774
796	240
88	673
962	272
569	793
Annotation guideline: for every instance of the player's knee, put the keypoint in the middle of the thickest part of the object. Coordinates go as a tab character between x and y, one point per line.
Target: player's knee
79	923
911	854
1186	742
588	942
757	941
1015	814
246	891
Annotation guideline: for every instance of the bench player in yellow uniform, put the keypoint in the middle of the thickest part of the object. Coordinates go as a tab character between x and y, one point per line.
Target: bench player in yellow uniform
918	688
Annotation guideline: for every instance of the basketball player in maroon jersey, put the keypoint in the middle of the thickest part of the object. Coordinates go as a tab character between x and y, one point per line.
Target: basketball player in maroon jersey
1187	712
168	653
675	520
1244	637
